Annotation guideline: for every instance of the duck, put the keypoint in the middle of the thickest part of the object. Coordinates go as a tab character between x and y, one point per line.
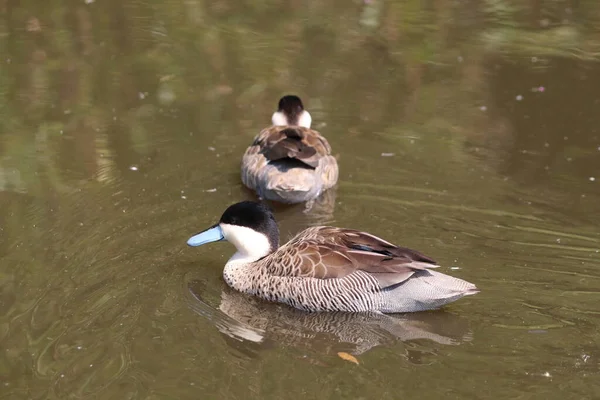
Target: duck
289	162
325	268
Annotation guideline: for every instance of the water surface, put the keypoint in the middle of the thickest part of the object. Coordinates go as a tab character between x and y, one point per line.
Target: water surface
467	131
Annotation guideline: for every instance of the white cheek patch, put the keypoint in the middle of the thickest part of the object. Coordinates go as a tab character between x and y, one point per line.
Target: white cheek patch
305	119
279	119
250	245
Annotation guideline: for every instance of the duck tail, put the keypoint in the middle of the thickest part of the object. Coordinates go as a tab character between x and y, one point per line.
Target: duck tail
427	290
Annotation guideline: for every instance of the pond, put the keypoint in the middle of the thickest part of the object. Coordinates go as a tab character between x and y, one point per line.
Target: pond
466	130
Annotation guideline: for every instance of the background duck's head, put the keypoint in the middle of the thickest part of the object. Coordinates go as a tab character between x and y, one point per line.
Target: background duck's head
248	225
290	111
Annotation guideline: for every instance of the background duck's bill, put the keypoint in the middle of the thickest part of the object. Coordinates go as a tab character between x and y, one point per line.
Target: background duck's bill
212	234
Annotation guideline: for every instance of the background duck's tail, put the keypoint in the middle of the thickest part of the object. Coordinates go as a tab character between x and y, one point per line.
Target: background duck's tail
290	183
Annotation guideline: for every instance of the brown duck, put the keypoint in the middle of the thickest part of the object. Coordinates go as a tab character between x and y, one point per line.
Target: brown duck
289	162
326	268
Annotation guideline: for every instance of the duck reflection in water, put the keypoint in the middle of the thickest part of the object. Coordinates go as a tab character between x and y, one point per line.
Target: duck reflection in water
254	322
319	211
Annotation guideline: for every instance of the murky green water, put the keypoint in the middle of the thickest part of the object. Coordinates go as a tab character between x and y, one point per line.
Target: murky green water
467	130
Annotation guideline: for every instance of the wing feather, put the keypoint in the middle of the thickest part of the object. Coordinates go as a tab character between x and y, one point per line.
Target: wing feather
334	253
303	144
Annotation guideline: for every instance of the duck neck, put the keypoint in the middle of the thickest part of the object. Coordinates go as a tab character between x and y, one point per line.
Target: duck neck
243	258
239	270
251	246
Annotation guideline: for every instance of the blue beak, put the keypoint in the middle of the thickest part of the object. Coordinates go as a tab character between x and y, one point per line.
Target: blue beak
212	234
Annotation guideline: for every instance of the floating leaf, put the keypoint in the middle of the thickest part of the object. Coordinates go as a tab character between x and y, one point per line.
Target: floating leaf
347	357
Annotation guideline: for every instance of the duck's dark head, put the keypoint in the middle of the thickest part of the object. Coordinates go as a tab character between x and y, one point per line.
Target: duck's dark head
248	225
290	111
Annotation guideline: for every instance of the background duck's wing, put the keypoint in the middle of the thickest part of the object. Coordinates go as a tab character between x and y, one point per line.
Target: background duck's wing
302	144
333	253
329	171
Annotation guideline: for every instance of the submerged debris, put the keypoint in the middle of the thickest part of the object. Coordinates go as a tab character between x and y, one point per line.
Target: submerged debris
348	357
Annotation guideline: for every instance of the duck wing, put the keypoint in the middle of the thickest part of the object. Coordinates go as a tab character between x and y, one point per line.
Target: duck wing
334	253
302	144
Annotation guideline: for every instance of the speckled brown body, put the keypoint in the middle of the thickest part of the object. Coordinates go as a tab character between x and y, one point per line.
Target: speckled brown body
289	164
336	269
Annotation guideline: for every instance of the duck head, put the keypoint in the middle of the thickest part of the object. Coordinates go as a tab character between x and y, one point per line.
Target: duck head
290	111
248	225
